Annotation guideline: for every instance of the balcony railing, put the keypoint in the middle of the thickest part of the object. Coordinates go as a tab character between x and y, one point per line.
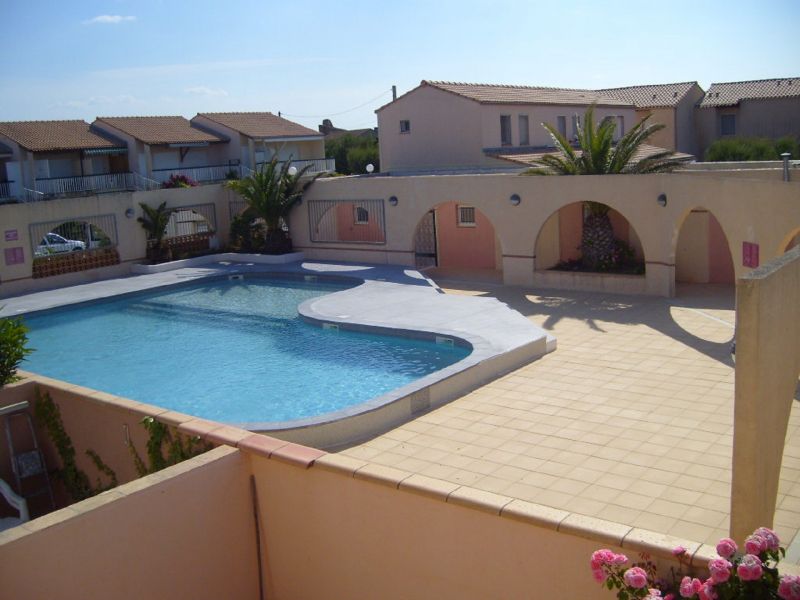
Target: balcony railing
84	184
205	174
5	189
316	165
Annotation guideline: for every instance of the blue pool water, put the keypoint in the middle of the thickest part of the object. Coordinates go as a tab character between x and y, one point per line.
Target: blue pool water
231	351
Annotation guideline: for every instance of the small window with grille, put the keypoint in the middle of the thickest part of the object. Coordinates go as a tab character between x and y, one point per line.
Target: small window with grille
466	216
361	216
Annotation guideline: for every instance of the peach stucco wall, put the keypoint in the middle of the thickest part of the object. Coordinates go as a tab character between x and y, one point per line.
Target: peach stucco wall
703	254
182	533
464	247
348	230
759	211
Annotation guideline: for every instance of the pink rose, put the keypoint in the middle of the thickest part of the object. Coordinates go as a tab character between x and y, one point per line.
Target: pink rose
618	559
707	591
769	536
720	570
678	551
726	548
653	594
755	544
750	568
599	575
669	597
789	588
689	587
635	577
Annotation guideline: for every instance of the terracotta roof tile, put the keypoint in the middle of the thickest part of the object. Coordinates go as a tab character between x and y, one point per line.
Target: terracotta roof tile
730	94
522	94
159	130
260	124
652	96
49	136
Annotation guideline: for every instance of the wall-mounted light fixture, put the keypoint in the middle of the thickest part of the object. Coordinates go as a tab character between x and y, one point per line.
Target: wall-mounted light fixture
515	199
370	168
292	171
129	213
393	200
662	199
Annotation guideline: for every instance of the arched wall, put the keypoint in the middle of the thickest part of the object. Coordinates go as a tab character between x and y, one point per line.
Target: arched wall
461	247
790	241
559	238
755	211
702	251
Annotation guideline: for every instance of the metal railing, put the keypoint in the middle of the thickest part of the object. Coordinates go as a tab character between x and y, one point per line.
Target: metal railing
347	221
5	189
29	195
316	165
205	174
81	184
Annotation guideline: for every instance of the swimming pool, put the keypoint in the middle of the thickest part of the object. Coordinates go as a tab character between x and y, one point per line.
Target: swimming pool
234	351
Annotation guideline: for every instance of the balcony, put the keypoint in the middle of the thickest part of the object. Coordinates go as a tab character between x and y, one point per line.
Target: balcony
206	174
93	184
316	165
5	191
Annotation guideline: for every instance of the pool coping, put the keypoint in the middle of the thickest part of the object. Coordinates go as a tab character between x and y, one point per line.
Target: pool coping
389	300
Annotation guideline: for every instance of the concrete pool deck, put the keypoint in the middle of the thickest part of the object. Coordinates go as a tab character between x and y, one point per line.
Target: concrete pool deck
630	421
390	299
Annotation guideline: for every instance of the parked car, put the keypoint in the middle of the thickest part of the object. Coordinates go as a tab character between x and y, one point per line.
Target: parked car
53	243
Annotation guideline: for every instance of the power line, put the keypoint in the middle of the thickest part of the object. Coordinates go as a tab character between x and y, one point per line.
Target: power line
381	95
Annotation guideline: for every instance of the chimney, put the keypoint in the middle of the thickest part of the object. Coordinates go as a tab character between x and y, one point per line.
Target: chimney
394	93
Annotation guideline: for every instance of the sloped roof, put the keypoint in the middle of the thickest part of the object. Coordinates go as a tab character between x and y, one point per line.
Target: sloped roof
652	96
730	94
50	136
523	94
527	158
260	125
160	130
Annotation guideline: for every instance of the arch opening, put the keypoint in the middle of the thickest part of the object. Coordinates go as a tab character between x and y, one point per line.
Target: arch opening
456	239
702	252
589	237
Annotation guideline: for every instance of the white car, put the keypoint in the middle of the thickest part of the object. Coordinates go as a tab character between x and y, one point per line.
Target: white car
53	243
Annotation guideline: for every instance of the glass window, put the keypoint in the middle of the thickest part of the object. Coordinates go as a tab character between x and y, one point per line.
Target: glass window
576	123
405	126
362	216
505	130
524	133
562	125
728	125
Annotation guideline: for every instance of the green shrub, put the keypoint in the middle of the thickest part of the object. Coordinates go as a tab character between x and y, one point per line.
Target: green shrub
13	341
353	154
746	149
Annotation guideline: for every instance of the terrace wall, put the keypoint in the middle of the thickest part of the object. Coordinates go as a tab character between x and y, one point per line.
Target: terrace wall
17	218
748	210
330	527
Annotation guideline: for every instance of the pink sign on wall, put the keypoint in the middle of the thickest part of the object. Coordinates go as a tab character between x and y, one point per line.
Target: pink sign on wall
11	235
15	256
749	254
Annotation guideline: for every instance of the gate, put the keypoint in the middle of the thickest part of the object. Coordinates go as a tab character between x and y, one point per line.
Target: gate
425	242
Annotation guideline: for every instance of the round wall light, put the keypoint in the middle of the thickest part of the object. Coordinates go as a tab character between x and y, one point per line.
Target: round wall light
129	213
662	199
393	200
515	199
292	170
370	168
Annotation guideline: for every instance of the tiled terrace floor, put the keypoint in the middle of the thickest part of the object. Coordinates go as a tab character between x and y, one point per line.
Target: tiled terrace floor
630	419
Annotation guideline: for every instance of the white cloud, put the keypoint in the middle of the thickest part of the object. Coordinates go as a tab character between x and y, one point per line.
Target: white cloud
202	90
109	19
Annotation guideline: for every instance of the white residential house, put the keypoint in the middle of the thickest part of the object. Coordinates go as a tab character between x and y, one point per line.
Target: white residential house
256	137
40	159
442	126
160	147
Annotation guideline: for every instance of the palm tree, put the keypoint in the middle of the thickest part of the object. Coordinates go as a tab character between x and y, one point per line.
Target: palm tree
154	222
596	154
271	193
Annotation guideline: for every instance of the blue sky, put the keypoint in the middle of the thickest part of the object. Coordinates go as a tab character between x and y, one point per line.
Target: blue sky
82	59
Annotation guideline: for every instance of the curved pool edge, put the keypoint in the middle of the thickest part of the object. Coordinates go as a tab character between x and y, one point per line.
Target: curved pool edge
392	300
